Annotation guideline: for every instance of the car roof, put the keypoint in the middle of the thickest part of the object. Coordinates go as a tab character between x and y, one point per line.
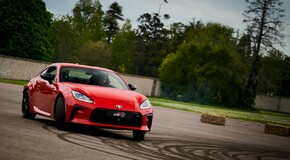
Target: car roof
79	65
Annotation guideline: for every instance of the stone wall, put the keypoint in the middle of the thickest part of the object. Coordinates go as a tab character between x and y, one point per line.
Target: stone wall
149	86
273	103
24	69
18	68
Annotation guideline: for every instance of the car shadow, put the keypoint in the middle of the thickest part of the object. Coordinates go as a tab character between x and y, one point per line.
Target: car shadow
84	129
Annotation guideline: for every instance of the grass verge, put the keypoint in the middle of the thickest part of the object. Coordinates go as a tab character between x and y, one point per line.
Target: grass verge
255	115
13	81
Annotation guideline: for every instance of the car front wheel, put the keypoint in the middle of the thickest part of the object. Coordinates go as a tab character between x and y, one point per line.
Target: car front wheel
138	135
60	114
26	106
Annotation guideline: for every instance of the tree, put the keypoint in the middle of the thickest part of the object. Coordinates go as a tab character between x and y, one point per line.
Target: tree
244	46
206	68
111	20
151	43
177	35
66	38
264	27
91	53
26	29
87	20
214	33
123	48
274	75
80	38
79	33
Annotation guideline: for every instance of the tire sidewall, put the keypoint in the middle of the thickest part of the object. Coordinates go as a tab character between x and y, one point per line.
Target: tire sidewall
26	106
60	114
138	135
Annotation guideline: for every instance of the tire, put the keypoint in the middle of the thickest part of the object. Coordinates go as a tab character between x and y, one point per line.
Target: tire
138	135
60	114
26	106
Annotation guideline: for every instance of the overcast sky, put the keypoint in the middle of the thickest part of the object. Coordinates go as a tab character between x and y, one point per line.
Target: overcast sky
226	12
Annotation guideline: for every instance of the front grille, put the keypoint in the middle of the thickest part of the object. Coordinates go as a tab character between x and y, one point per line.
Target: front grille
116	117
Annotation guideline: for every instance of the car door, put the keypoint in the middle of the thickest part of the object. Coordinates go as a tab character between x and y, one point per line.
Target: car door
45	91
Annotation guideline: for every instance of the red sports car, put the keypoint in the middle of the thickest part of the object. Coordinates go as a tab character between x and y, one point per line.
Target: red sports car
72	93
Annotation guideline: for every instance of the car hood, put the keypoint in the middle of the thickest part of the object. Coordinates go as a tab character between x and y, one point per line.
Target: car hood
96	92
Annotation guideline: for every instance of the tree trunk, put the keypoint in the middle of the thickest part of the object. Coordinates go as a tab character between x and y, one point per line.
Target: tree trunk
252	81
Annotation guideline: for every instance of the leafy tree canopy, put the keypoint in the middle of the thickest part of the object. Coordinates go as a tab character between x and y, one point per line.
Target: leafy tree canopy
26	29
111	20
151	44
88	20
206	68
123	48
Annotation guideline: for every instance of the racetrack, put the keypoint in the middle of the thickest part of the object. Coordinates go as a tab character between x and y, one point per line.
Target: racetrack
175	135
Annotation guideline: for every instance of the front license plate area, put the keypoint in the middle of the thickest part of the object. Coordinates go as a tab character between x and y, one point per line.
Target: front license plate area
119	114
116	117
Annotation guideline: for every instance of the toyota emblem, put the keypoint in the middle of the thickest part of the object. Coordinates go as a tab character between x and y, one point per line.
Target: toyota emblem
119	106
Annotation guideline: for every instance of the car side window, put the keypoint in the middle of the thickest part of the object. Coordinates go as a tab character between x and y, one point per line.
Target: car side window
114	82
51	70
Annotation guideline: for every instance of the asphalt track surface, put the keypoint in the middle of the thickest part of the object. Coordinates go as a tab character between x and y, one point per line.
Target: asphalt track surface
175	135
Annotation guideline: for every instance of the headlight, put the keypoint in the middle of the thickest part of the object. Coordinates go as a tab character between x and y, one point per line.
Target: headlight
81	97
145	104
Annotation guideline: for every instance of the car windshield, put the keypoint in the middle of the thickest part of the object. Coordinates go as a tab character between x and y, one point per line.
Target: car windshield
91	76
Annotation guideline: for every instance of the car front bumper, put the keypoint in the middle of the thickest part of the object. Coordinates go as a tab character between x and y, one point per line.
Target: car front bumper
90	114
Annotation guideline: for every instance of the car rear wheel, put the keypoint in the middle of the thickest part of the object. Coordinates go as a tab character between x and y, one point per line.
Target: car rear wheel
138	135
60	114
26	106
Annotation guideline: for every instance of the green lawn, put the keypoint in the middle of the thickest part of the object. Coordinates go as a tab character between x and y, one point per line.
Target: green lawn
254	115
12	81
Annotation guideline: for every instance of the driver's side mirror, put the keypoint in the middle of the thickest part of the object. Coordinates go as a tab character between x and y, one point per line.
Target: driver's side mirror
132	87
47	76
